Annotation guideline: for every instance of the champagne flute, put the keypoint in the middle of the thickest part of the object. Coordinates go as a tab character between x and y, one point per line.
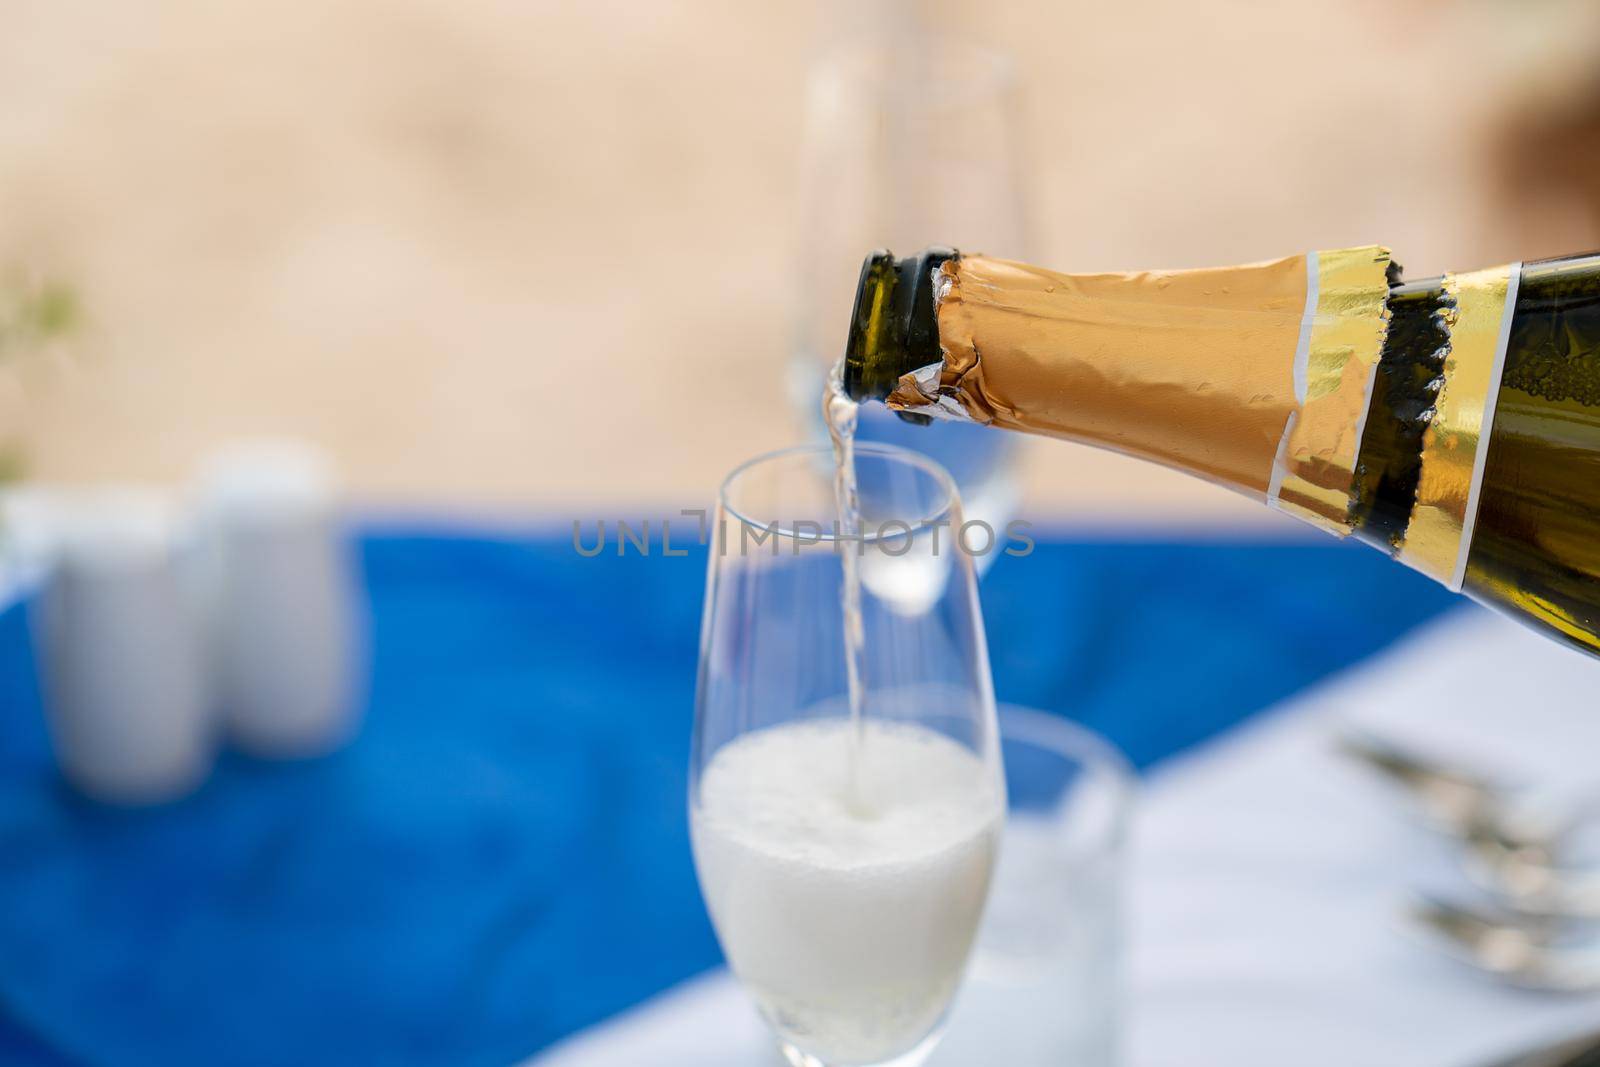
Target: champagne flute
845	856
910	138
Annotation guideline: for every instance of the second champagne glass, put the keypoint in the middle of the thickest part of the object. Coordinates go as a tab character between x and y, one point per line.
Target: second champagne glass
845	858
910	138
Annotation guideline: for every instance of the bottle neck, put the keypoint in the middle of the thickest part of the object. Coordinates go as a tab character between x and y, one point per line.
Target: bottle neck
1254	377
1316	383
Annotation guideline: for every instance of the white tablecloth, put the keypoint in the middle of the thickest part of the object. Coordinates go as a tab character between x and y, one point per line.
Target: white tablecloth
1268	876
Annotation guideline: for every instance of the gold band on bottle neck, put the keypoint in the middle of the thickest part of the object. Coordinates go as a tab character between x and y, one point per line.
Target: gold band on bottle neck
1336	363
1456	443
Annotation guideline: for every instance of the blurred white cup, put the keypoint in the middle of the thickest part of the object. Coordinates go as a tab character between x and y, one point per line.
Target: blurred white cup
119	649
283	619
28	520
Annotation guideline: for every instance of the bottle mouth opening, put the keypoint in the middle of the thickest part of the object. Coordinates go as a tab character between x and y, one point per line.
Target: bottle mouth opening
869	323
894	323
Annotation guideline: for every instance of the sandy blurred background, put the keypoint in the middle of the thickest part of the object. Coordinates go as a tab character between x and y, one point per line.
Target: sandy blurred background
508	255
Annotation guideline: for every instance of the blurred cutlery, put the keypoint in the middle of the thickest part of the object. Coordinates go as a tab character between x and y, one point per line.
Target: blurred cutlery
1465	803
1512	840
1528	878
1522	952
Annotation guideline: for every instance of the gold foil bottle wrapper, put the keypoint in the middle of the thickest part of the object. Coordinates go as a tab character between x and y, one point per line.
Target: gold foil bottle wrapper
1456	443
1256	377
1188	368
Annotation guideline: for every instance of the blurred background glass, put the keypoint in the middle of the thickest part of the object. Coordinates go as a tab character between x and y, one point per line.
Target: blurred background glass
1045	983
907	134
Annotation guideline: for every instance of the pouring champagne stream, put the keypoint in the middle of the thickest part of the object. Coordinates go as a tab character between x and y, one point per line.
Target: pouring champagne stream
839	413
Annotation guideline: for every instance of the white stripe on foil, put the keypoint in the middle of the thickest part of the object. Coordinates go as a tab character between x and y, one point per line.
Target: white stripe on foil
1302	371
1280	461
1480	460
1302	348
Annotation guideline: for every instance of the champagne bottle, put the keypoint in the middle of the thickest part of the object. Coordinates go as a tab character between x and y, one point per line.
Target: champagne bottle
1452	422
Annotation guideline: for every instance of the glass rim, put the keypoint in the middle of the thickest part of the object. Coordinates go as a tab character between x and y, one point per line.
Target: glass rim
951	495
982	69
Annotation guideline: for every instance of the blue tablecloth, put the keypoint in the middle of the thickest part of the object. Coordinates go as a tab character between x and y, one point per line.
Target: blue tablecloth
502	857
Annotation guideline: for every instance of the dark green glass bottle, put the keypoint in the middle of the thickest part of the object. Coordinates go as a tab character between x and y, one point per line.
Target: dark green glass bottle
1536	549
1473	454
